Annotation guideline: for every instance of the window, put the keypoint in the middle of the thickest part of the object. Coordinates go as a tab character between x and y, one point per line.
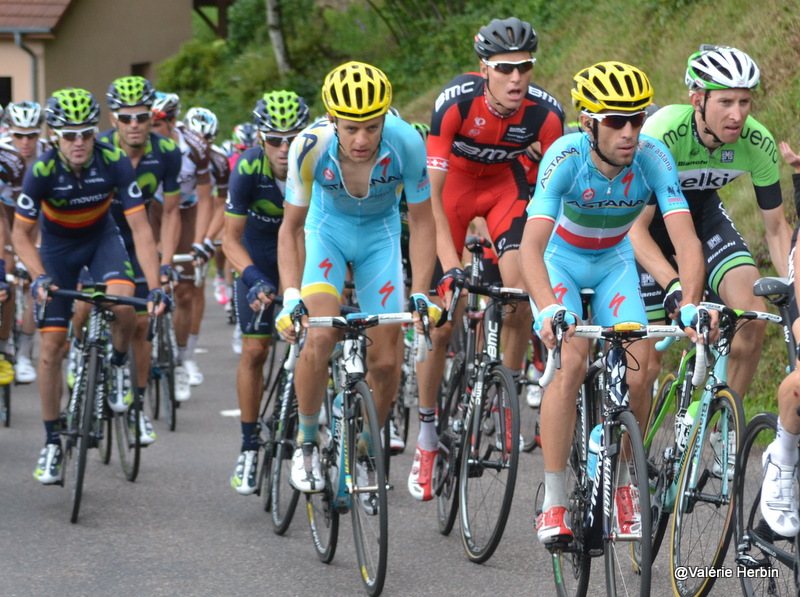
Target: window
141	69
5	90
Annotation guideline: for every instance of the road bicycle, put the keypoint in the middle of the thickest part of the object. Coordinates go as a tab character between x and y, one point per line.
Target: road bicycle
694	432
352	458
769	563
88	421
603	403
160	392
475	470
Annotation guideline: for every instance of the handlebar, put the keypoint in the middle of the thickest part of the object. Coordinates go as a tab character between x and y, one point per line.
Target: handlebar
199	270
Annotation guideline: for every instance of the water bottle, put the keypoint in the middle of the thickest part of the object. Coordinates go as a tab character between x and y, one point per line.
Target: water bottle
595	441
683	425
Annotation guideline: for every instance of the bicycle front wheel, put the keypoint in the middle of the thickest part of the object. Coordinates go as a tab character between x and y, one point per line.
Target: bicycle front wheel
6	405
283	496
368	506
758	546
447	463
82	425
704	504
627	551
128	429
104	439
323	515
489	465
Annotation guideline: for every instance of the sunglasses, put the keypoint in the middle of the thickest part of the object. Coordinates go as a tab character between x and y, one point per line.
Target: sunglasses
140	117
618	121
21	135
85	134
523	66
277	141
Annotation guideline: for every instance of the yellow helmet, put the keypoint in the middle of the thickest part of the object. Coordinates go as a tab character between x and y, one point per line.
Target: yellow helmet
611	86
356	91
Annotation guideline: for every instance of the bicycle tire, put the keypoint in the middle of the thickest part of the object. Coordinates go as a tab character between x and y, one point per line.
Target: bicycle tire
368	510
623	572
447	463
572	567
128	440
83	418
690	532
283	496
659	469
489	462
758	546
6	405
168	352
152	393
323	514
105	443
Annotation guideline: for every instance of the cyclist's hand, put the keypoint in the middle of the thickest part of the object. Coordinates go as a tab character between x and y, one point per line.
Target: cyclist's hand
700	324
41	286
420	305
168	274
5	290
284	322
260	293
453	277
158	302
672	298
543	325
200	254
208	246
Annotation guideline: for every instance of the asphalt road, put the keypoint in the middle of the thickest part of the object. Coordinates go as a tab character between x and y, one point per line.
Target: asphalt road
181	530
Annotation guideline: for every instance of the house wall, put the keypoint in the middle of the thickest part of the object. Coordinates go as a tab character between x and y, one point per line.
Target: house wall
17	64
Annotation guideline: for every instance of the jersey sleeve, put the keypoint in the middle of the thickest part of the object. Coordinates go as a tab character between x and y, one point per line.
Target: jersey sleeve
304	155
556	176
34	189
662	176
240	189
445	123
416	184
171	185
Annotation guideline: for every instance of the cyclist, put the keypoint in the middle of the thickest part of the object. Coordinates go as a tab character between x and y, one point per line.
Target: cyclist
779	492
592	186
24	121
482	127
204	122
245	136
157	162
714	140
12	169
252	218
196	209
345	179
71	187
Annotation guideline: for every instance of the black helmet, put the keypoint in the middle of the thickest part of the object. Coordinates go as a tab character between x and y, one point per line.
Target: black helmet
505	35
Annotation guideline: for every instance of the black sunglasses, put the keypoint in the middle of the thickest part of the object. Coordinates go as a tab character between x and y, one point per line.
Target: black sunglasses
140	117
618	121
277	141
31	135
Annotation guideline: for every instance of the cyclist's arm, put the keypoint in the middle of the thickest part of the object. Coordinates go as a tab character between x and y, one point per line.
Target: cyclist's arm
534	271
291	245
445	250
145	246
235	252
779	238
170	226
647	252
205	209
422	230
688	255
23	237
218	217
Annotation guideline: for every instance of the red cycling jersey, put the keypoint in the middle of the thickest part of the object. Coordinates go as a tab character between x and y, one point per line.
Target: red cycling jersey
484	155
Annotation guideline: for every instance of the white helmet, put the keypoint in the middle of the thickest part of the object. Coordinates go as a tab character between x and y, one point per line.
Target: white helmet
202	121
721	67
24	114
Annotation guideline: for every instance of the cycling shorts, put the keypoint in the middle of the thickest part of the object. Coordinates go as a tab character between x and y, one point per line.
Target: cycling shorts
610	273
142	290
723	250
372	247
501	199
102	253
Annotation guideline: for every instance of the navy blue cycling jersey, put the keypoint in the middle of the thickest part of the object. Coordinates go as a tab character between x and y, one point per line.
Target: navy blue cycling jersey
75	206
255	194
159	167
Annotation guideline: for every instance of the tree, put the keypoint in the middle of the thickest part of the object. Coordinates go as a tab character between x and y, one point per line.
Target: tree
276	37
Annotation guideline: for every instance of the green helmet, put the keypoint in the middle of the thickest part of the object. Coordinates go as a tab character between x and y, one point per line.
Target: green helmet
71	107
423	129
280	112
129	92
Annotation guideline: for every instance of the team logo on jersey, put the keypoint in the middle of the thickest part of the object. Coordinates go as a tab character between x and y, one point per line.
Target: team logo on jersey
328	174
479	122
616	303
44	168
588	195
726	156
326	265
474	132
560	290
714	241
24	202
646	280
386	291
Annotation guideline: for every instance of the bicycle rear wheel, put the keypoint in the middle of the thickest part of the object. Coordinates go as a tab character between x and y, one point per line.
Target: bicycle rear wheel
368	505
489	466
447	463
759	547
704	504
283	496
82	424
323	515
128	430
104	441
628	560
5	407
659	468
